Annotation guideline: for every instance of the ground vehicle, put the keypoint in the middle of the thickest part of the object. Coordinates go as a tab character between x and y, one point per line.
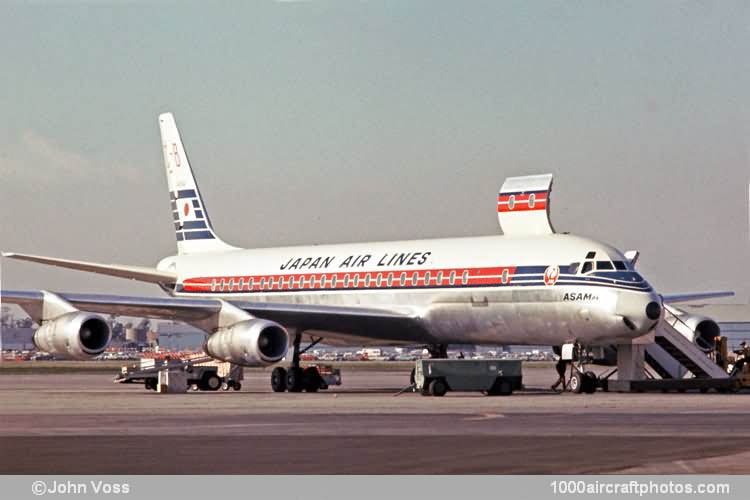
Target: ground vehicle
203	374
435	377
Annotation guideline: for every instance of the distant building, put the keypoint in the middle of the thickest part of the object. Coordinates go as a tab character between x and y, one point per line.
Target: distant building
17	338
180	337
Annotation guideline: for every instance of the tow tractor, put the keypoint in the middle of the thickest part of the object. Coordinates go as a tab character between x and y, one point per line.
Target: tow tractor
177	375
495	377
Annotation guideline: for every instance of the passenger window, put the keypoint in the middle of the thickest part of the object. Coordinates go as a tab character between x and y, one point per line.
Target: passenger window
465	278
403	279
323	281
334	279
505	276
604	265
213	285
346	281
573	267
440	278
452	278
390	279
379	280
588	266
367	280
620	265
427	278
355	281
252	283
414	278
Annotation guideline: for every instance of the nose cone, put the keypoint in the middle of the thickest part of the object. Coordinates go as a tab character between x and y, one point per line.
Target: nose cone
639	312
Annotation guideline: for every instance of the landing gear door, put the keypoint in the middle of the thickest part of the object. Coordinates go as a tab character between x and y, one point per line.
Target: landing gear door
567	352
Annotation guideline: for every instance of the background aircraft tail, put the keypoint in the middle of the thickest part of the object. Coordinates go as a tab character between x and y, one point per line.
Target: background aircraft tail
193	228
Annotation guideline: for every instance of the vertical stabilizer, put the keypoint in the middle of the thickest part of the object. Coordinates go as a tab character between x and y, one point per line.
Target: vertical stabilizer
523	205
193	228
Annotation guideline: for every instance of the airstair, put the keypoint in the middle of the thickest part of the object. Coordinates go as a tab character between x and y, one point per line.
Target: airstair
672	362
674	356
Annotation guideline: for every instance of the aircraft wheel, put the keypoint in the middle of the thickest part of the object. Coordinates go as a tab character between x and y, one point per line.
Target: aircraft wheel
412	376
576	382
438	388
278	379
311	379
150	384
589	382
225	386
294	380
237	386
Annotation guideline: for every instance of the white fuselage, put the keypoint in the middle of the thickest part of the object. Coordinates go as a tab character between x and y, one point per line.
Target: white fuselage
479	290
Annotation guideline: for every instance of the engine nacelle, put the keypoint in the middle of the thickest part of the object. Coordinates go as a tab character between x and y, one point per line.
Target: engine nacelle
254	342
75	335
702	331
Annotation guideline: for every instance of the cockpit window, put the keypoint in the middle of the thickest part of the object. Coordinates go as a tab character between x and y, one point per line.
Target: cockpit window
573	268
620	265
591	255
588	266
604	265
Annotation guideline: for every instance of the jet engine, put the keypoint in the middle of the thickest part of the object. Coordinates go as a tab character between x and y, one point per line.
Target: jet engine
253	342
700	330
75	335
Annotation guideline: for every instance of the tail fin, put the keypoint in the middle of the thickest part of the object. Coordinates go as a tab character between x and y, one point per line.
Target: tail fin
193	228
523	205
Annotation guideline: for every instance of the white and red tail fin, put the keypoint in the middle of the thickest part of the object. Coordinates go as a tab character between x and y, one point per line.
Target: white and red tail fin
193	228
523	205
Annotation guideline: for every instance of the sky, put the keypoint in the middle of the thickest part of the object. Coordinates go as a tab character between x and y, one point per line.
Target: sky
323	122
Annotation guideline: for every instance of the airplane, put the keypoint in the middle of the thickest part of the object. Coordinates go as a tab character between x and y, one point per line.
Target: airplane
530	285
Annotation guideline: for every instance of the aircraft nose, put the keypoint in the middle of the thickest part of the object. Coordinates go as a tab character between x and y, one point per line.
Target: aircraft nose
640	312
653	310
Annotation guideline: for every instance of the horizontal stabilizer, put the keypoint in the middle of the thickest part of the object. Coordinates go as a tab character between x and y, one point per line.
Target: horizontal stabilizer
672	298
147	274
523	205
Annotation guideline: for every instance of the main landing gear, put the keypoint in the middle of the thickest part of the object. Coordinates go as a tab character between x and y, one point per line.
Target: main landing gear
296	378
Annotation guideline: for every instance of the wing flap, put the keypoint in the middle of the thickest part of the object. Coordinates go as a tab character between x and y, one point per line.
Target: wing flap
147	274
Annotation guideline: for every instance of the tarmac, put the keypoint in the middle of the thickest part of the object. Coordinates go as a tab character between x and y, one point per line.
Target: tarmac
82	423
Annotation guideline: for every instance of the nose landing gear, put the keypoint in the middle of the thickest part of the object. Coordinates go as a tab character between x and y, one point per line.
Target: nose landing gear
581	381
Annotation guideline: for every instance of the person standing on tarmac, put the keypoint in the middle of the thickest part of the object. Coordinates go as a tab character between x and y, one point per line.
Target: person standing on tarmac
561	367
742	357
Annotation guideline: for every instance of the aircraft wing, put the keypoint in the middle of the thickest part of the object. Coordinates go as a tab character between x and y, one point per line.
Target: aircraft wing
690	297
147	274
338	325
